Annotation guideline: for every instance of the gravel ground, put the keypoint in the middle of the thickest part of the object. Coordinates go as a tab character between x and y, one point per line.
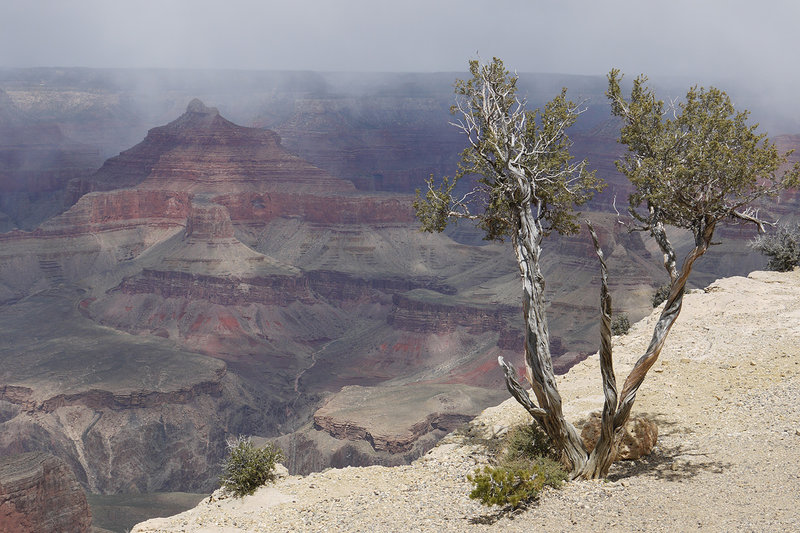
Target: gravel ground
725	395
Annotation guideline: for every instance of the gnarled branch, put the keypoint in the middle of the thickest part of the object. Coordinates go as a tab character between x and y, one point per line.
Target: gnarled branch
520	394
603	453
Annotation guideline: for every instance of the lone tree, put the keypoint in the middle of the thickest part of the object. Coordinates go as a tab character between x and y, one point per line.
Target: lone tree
693	170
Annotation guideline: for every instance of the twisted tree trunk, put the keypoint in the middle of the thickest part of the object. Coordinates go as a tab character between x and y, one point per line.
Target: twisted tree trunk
606	447
616	416
538	361
539	368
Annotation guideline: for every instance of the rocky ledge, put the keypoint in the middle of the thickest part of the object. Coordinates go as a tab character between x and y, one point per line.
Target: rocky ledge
359	413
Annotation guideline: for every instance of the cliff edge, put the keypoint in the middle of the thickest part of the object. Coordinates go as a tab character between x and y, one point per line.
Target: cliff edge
725	394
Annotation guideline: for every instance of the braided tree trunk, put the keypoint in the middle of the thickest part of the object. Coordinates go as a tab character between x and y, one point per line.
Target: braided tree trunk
547	410
538	363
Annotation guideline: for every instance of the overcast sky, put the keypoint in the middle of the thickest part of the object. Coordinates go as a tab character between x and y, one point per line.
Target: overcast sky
697	38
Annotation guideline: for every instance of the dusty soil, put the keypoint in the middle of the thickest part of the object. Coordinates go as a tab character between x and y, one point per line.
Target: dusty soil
726	397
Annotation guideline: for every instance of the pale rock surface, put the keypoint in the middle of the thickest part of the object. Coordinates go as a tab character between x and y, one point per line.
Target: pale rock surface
725	395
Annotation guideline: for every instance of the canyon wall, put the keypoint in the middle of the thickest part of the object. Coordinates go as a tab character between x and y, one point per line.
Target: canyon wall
38	492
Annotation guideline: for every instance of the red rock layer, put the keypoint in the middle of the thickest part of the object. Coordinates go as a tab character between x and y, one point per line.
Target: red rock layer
209	221
38	492
110	211
202	152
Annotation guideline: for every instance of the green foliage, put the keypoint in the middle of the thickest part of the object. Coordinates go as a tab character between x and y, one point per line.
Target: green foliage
248	467
782	247
521	159
434	210
513	485
694	163
526	465
661	294
528	441
620	325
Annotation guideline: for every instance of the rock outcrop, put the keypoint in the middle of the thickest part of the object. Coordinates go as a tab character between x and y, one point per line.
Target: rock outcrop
353	427
202	152
636	440
39	492
358	413
126	414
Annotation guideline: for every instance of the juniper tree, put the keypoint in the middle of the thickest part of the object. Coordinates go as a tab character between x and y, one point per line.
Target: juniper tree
527	186
693	165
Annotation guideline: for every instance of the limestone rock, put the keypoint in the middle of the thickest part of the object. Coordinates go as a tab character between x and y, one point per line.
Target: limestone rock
639	436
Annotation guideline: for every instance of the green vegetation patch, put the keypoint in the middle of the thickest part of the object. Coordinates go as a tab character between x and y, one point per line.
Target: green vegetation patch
782	247
524	465
248	467
620	325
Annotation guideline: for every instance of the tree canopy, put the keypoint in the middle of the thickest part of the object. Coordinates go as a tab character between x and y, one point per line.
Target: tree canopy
520	157
695	162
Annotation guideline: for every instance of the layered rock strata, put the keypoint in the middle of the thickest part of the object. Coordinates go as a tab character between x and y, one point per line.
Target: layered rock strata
38	492
126	414
180	248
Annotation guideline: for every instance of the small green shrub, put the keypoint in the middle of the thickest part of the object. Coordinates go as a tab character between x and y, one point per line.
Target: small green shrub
620	325
661	295
782	247
515	483
528	441
526	465
248	467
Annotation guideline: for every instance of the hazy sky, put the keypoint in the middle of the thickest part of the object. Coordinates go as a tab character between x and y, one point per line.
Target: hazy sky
712	38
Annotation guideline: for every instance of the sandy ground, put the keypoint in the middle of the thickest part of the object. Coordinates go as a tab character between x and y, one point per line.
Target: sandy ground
725	395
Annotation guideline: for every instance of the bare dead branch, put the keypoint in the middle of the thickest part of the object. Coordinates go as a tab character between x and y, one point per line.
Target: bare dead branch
751	215
520	394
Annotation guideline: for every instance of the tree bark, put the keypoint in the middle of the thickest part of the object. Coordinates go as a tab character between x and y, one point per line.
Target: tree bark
538	362
605	450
